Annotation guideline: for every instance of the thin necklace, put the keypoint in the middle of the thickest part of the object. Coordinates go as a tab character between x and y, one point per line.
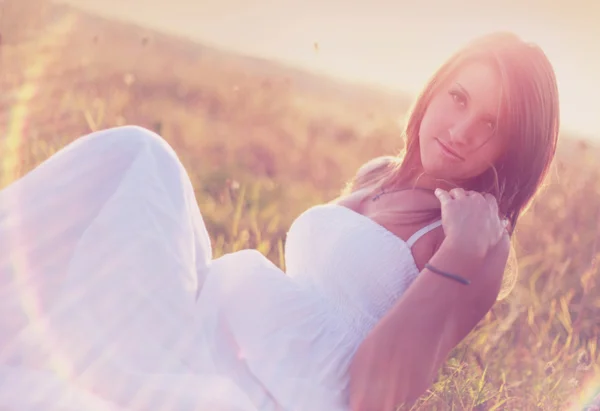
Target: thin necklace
382	192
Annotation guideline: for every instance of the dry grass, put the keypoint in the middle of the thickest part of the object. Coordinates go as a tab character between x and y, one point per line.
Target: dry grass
262	143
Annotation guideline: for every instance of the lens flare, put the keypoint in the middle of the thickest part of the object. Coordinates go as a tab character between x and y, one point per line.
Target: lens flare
19	266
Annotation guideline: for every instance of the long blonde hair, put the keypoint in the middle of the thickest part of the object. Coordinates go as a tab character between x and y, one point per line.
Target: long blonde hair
529	117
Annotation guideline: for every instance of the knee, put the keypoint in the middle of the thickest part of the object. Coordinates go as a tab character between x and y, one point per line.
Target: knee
129	139
135	135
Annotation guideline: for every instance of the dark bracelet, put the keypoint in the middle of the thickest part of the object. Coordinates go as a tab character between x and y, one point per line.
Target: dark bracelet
447	275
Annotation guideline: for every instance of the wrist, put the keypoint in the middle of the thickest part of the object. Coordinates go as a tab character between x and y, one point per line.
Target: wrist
455	258
462	248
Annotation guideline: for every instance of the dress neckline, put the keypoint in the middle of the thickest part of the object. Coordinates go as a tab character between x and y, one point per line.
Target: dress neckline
404	247
406	243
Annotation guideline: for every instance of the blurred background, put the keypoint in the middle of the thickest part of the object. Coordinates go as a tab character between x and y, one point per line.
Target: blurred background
272	106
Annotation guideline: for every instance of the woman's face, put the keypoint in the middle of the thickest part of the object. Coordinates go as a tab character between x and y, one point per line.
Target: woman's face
458	133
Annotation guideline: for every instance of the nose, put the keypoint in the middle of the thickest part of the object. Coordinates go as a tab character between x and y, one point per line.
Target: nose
461	131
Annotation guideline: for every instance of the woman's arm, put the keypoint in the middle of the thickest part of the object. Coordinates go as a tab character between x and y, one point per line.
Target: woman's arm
400	358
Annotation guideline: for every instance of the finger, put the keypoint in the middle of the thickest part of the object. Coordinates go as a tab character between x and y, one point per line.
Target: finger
506	226
491	200
476	196
443	196
501	233
501	223
458	193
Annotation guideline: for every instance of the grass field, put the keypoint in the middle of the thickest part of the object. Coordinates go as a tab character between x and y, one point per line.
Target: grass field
262	143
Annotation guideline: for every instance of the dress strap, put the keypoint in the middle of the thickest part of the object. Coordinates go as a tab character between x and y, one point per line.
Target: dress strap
421	232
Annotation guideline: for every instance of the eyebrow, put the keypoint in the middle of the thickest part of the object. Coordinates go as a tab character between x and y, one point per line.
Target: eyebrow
464	90
468	96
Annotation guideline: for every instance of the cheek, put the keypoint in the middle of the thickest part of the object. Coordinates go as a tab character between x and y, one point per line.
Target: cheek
435	121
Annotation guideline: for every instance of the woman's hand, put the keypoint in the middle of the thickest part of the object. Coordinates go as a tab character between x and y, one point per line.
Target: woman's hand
471	220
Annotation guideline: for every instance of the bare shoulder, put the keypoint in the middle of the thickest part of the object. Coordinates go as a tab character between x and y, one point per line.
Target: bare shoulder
374	164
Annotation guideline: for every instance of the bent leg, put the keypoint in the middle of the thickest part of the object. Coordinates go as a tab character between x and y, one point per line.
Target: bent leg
105	228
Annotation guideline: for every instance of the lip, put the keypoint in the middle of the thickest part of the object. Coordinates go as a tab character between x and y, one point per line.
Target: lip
449	152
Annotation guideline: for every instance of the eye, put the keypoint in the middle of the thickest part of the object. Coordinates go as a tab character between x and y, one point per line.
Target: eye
458	97
490	124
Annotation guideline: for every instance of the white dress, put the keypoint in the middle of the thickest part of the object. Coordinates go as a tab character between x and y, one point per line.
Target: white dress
110	298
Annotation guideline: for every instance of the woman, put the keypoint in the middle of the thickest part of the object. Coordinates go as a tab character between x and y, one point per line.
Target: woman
111	299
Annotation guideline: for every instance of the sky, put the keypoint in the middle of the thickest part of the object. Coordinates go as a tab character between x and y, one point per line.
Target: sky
391	43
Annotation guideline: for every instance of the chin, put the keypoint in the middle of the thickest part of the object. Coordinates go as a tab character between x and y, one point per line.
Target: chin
435	168
441	172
